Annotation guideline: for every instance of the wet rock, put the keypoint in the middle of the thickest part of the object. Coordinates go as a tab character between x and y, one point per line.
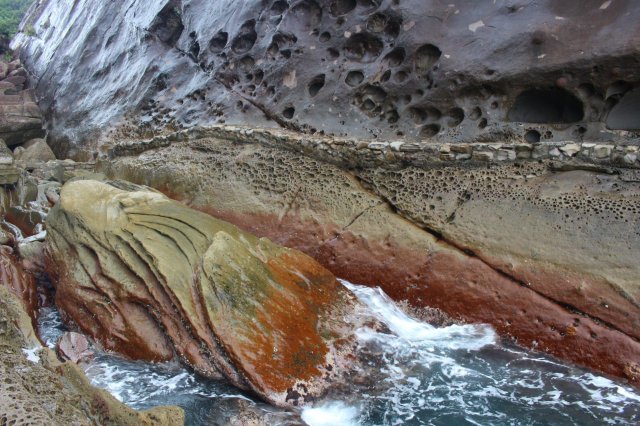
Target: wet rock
53	171
51	191
240	412
9	175
150	278
27	219
6	156
33	151
74	347
20	117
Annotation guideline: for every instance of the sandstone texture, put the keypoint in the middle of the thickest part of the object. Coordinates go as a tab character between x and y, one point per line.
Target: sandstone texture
377	69
152	279
42	390
548	257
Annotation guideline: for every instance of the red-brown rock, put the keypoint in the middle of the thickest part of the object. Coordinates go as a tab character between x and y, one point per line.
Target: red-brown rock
19	282
74	346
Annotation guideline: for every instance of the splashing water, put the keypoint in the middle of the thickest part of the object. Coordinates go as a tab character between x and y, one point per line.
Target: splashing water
455	375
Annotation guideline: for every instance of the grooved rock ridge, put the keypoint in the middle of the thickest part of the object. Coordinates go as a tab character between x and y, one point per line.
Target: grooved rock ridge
155	280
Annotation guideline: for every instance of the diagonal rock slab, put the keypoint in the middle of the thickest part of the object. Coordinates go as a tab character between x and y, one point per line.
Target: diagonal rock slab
152	279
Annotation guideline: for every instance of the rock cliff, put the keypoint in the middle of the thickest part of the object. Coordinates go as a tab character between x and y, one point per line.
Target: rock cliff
414	69
480	157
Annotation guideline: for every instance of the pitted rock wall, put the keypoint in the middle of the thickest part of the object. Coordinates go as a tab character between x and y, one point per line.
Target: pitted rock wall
463	71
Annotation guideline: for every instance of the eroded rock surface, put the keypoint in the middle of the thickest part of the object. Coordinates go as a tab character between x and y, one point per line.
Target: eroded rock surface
547	257
36	388
408	69
153	279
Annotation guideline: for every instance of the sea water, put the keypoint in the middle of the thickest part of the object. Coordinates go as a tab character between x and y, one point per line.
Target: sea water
454	375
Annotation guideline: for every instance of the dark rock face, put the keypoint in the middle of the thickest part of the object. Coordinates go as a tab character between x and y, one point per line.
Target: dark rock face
414	69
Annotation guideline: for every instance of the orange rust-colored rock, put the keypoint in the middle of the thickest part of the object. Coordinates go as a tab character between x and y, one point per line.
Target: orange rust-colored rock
460	285
150	278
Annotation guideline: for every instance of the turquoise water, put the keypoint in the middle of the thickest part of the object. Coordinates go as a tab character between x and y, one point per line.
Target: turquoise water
456	375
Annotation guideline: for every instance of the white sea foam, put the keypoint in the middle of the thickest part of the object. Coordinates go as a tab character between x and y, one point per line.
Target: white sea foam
331	414
470	337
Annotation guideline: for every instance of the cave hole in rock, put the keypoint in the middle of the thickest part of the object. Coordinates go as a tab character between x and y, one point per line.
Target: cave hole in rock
363	47
377	22
246	38
279	7
617	90
194	46
167	25
426	57
316	84
483	123
258	75
392	116
333	53
532	136
418	115
305	14
455	116
395	57
392	29
246	63
625	115
342	7
325	37
288	112
401	76
386	76
586	90
546	106
369	98
354	78
282	43
476	113
430	130
369	6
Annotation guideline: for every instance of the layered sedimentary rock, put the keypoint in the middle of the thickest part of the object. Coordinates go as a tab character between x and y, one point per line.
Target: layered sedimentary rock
154	280
546	256
20	116
413	69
